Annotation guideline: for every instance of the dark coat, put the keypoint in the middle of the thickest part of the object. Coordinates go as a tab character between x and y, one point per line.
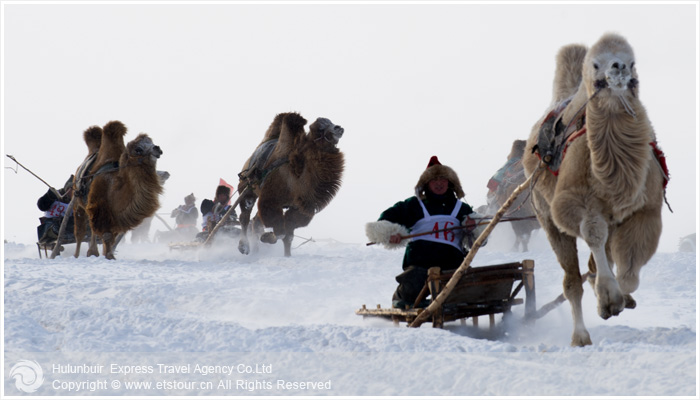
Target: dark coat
46	201
423	253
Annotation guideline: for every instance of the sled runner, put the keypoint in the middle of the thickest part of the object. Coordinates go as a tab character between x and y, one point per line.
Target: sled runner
226	232
48	245
480	291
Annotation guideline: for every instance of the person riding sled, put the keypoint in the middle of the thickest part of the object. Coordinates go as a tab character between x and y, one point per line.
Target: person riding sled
186	217
55	208
450	226
214	210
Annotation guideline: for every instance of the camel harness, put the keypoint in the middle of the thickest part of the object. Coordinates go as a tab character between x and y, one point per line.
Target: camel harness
555	138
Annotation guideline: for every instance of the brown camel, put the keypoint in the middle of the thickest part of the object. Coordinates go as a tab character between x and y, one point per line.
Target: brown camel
119	189
501	185
609	184
292	175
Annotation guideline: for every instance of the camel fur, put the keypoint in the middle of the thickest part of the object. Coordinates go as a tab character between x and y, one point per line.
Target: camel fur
608	190
292	175
117	199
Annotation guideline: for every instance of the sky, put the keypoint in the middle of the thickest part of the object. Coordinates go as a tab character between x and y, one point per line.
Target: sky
406	81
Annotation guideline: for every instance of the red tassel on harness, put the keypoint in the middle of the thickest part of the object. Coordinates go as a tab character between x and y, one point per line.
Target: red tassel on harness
661	157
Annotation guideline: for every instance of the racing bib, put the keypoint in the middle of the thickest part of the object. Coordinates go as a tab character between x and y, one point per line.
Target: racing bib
57	209
437	223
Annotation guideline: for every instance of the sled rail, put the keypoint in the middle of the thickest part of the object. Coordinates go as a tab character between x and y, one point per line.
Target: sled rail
487	290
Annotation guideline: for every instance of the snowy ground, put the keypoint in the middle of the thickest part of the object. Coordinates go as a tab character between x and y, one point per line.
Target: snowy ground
287	327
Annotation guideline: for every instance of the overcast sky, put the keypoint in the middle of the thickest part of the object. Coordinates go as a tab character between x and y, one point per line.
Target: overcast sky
406	81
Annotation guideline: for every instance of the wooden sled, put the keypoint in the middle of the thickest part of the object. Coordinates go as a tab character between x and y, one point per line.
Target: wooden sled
230	232
480	291
46	246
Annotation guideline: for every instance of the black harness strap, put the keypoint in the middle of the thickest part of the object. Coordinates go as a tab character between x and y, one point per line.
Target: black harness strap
82	181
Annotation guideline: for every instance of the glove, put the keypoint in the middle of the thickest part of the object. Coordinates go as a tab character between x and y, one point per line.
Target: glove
381	232
475	227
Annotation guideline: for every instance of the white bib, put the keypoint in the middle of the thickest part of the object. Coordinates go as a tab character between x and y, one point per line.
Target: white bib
437	222
57	209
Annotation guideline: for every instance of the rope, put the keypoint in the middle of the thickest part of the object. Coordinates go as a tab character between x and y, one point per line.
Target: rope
305	241
35	175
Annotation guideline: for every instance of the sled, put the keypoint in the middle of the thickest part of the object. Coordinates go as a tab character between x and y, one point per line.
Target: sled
49	245
487	290
46	246
227	231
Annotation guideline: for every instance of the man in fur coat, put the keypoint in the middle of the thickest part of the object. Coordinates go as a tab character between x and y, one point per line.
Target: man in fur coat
435	207
213	211
186	217
55	209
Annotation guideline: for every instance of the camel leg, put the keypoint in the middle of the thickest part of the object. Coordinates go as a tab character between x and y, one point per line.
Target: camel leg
516	244
108	245
564	247
594	230
525	239
92	248
293	218
257	229
578	214
246	208
79	228
272	216
632	244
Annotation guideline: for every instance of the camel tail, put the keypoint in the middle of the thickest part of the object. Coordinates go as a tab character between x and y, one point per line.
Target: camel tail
114	129
93	138
567	76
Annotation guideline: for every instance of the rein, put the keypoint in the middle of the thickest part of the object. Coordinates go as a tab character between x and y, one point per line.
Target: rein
82	182
482	221
570	133
258	176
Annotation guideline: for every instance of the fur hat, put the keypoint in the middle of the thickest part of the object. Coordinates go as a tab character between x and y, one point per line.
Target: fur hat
436	170
190	198
223	189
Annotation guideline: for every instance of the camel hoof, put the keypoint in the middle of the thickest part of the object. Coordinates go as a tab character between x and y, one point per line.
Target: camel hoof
243	247
580	340
611	302
630	302
269	238
610	310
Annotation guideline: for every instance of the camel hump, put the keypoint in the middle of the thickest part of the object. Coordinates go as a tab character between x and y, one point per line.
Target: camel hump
569	66
294	121
614	43
291	130
114	129
93	138
284	121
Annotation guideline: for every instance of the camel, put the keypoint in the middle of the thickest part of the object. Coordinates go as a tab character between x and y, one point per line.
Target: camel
290	170
610	179
119	189
511	175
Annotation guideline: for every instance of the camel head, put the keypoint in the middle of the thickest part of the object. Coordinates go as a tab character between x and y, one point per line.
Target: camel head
609	64
142	150
324	130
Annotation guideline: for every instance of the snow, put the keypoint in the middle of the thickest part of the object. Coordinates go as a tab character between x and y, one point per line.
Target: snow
287	327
